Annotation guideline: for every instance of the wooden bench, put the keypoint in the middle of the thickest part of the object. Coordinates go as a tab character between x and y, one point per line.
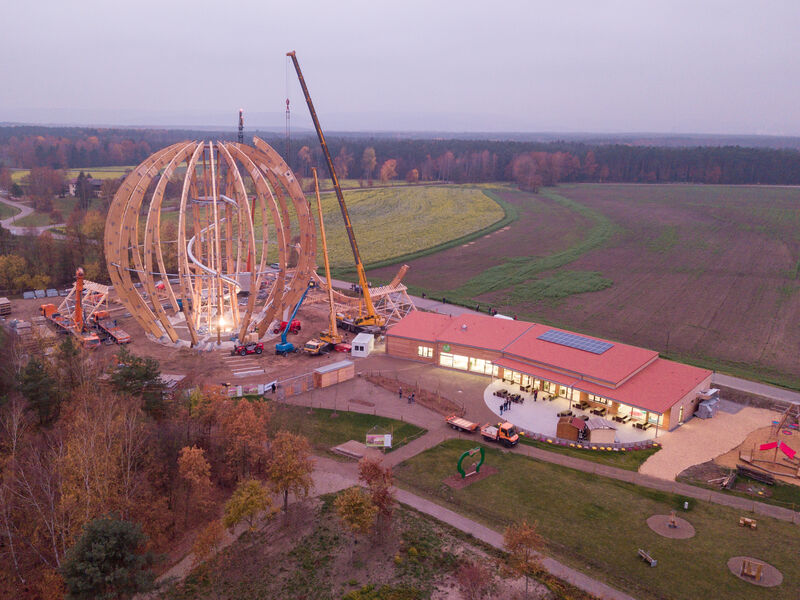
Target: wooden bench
747	522
645	556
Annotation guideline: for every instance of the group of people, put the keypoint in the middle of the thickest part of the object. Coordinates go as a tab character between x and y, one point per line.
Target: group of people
505	406
411	397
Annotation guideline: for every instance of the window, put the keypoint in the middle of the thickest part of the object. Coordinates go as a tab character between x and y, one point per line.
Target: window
460	362
425	351
598	399
445	359
479	365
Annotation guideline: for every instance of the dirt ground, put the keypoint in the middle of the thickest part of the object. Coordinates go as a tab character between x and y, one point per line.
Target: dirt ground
205	367
701	440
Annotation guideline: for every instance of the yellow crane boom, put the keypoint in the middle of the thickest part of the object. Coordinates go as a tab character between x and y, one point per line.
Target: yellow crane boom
332	335
372	317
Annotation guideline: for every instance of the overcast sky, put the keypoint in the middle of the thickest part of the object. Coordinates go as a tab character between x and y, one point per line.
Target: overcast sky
668	66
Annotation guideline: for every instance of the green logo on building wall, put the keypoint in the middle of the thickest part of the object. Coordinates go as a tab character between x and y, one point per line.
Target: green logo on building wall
446	347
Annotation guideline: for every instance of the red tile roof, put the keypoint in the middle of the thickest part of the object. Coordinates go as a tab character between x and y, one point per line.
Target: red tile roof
480	331
419	325
612	366
657	388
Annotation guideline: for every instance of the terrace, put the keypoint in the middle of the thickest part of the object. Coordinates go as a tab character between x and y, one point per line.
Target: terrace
542	416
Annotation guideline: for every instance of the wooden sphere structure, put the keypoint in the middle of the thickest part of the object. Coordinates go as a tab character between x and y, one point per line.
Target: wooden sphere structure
188	233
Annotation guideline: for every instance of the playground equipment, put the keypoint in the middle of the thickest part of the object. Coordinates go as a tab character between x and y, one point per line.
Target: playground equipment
284	346
752	569
472	452
221	250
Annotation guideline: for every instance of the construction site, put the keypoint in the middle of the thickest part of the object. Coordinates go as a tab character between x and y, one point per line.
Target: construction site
237	299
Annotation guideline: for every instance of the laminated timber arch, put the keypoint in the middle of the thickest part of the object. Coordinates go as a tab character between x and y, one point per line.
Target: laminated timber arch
229	198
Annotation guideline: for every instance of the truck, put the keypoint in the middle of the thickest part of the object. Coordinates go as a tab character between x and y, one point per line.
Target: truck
461	424
315	347
102	321
295	327
504	433
357	325
64	324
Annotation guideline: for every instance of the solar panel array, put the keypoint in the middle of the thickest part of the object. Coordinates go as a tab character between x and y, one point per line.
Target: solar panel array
573	340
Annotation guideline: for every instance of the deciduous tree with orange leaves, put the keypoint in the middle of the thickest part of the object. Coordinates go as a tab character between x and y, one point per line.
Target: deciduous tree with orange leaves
195	472
290	465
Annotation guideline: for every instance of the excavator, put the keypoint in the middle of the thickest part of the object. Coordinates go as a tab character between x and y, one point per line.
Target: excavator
371	321
331	337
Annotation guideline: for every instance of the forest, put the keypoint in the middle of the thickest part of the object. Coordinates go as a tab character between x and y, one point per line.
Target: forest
455	159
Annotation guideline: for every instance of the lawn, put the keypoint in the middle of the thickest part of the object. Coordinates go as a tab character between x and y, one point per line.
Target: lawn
7	211
597	524
628	460
326	431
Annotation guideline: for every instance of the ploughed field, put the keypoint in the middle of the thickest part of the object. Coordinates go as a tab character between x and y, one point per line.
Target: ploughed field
705	274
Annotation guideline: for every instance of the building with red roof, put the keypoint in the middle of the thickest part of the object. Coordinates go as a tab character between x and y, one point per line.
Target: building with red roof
618	380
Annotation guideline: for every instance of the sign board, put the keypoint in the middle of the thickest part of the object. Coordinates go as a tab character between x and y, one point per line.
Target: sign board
379	440
446	347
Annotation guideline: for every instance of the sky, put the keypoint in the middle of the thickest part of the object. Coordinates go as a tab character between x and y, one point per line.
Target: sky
599	66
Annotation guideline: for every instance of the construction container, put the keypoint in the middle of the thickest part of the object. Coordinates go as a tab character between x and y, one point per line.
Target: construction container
5	307
334	373
362	345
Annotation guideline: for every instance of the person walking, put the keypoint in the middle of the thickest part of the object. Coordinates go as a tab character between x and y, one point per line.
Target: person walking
400	393
413	398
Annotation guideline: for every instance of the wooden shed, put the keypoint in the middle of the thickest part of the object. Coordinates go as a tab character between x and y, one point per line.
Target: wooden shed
570	428
601	431
334	373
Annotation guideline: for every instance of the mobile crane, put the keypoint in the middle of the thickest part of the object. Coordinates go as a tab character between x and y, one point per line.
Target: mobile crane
331	337
285	346
371	320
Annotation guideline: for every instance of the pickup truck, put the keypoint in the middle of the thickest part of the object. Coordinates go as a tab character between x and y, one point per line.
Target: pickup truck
502	432
461	424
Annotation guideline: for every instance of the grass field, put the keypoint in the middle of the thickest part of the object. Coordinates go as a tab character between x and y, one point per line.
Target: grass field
597	524
95	172
7	211
708	275
396	221
325	431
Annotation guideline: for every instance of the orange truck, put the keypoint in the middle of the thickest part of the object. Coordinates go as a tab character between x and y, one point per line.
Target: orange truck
504	433
65	325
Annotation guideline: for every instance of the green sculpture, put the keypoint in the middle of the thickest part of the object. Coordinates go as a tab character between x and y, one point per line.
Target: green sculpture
470	453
